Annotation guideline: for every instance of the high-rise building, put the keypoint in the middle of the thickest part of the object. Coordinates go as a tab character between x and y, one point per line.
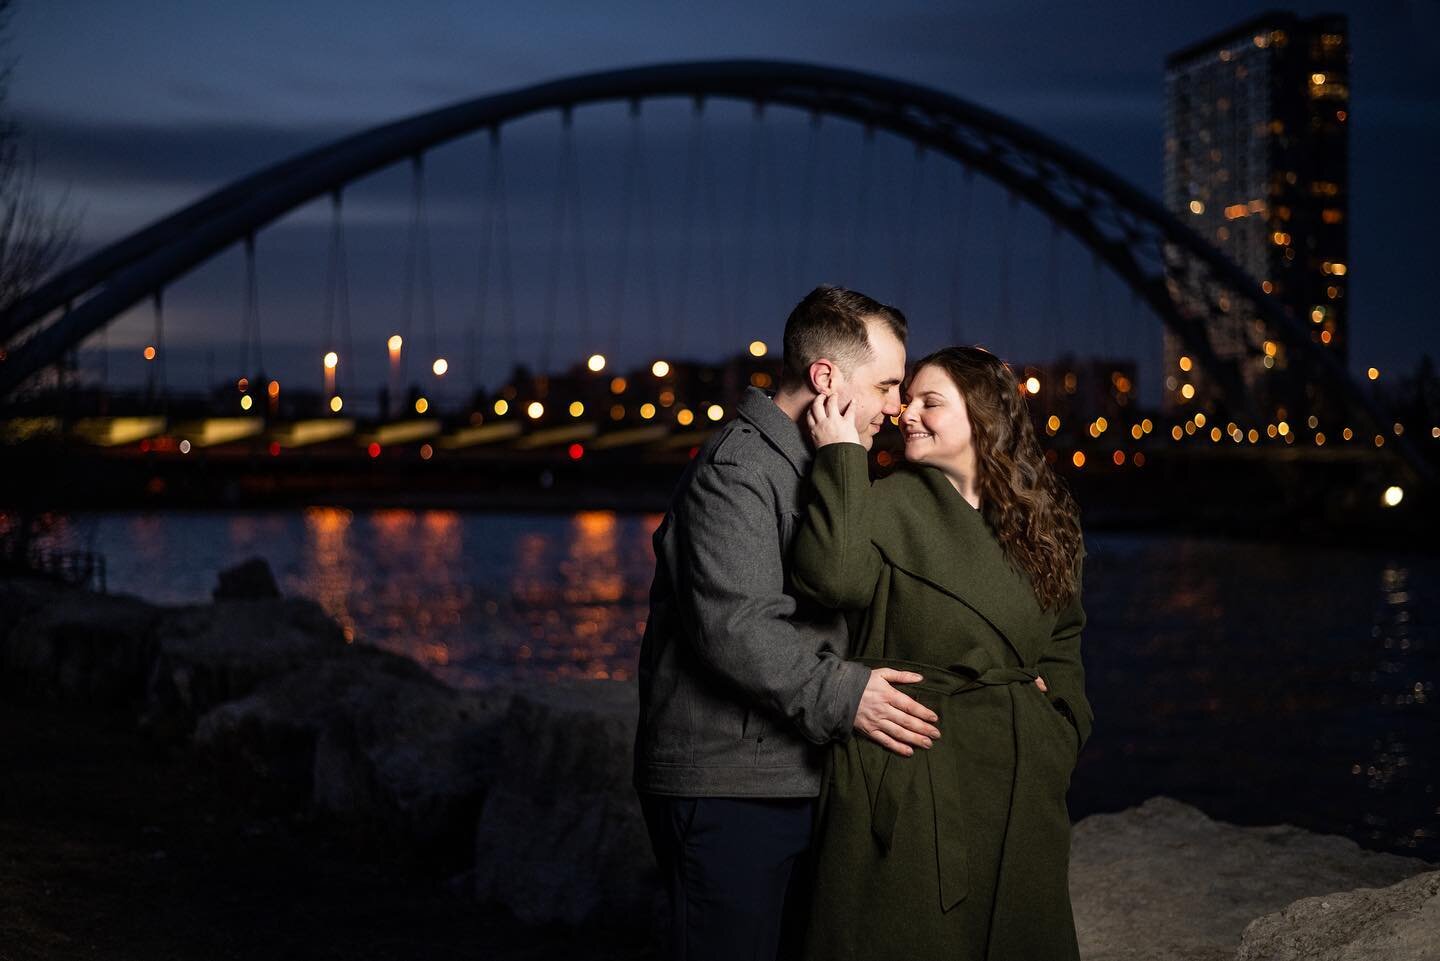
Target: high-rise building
1255	162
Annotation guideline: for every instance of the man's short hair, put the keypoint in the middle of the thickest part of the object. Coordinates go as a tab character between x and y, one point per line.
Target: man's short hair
831	322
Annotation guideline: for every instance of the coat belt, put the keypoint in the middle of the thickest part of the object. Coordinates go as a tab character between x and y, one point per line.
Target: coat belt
896	780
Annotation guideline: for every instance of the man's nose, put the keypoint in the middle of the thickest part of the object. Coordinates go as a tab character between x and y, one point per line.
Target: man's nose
892	403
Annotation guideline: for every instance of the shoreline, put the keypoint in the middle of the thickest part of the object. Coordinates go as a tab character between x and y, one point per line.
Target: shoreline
234	780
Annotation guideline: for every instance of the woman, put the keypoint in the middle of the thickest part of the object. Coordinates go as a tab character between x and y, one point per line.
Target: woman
964	566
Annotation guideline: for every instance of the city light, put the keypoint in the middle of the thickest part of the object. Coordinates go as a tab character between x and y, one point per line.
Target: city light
502	407
440	366
1032	385
596	362
659	368
273	388
684	417
1392	497
576	408
714	412
1187	391
395	343
1373	373
149	353
576	451
246	403
426	452
647	411
331	359
184	447
618	385
336	403
617	411
1196	207
536	410
421	405
1185	362
758	348
1078	458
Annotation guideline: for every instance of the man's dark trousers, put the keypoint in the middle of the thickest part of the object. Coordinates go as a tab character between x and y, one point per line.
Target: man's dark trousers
727	865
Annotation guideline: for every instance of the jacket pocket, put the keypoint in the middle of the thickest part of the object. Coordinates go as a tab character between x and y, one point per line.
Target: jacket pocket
756	725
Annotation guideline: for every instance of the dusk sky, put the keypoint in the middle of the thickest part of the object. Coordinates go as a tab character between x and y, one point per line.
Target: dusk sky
136	109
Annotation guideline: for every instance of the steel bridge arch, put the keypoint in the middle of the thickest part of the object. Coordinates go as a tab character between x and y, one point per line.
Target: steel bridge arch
1129	231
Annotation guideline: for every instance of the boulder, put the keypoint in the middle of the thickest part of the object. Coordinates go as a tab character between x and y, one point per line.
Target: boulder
1163	880
561	839
249	580
75	645
206	654
370	737
1397	923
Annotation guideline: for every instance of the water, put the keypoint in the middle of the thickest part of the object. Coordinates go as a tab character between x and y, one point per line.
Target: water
1263	683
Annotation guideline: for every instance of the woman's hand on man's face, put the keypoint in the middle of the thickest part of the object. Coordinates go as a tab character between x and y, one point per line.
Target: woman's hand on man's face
829	423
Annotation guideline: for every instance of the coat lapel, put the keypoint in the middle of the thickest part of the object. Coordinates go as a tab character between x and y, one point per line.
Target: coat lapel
959	556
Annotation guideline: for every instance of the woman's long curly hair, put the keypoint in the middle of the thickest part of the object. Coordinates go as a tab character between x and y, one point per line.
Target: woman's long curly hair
1030	509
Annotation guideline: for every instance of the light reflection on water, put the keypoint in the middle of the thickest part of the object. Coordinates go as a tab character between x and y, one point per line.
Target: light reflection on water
1261	682
472	596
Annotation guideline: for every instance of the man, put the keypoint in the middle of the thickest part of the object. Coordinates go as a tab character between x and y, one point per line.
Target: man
741	685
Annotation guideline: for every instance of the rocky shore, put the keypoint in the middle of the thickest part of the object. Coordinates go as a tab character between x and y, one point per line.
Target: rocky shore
498	823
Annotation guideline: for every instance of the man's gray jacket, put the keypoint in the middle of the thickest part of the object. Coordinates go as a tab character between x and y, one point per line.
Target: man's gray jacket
740	683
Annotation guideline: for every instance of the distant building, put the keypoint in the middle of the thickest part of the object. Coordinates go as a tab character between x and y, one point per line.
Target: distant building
1255	162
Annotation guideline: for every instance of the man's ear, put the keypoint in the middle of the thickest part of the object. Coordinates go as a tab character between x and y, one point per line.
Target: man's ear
822	376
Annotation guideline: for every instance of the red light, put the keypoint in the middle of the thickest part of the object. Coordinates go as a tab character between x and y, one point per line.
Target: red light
1119	458
693	452
274	448
374	450
576	451
145	446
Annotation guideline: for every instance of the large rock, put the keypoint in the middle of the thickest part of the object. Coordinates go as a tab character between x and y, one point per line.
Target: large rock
249	580
75	645
370	737
207	654
1398	923
561	838
1162	880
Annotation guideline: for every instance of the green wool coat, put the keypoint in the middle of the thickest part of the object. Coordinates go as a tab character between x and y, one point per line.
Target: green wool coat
961	851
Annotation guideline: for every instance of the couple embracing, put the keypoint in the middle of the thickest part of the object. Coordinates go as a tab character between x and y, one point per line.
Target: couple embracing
861	703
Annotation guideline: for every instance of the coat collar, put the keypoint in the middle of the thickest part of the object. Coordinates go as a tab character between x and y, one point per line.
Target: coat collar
759	409
931	532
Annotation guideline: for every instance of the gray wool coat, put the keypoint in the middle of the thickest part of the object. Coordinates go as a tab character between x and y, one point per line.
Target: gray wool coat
741	681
